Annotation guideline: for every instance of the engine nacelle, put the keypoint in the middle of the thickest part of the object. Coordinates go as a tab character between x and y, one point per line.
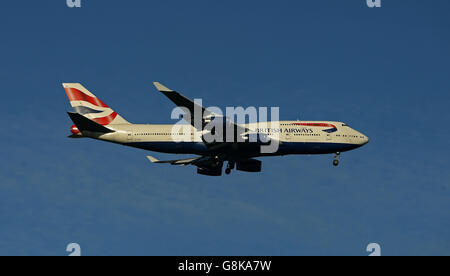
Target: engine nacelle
212	171
251	165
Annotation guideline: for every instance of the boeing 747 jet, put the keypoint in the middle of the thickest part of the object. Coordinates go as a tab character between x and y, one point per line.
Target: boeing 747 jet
94	119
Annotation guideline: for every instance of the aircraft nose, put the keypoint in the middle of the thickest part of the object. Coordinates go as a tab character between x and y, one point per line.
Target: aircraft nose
365	140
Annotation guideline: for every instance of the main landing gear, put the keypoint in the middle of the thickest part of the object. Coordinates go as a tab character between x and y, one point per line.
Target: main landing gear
230	167
336	159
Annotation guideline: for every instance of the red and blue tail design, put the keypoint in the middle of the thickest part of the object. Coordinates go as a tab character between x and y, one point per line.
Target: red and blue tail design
88	105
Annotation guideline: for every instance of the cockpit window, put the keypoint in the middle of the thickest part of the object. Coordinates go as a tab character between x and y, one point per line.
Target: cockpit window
345	125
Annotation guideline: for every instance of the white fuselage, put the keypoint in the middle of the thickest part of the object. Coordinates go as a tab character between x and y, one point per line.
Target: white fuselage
296	137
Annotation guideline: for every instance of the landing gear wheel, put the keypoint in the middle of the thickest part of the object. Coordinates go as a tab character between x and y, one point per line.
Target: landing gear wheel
230	167
336	160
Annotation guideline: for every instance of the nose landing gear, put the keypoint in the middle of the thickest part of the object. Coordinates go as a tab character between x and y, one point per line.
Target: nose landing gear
336	159
230	167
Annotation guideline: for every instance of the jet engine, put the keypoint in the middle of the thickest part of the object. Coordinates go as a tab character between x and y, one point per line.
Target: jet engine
211	166
210	171
251	165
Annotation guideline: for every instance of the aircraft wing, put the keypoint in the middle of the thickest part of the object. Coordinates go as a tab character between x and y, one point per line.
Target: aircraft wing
182	101
179	99
181	162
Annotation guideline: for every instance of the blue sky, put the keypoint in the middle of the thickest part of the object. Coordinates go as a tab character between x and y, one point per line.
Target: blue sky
383	71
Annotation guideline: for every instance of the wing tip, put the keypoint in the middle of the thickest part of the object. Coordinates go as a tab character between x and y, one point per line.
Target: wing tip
161	87
152	159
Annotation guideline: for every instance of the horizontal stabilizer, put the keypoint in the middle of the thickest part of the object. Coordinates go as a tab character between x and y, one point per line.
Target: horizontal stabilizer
74	136
85	124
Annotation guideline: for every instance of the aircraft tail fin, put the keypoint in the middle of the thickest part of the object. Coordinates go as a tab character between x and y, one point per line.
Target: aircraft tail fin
91	107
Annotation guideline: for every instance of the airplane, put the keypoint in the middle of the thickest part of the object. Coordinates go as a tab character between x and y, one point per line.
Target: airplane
94	119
